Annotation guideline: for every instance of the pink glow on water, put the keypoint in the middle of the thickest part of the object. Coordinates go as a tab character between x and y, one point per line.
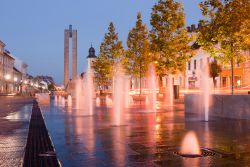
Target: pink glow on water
190	144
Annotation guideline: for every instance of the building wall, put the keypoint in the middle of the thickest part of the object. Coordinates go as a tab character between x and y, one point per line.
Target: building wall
246	71
8	65
226	74
194	69
1	67
241	73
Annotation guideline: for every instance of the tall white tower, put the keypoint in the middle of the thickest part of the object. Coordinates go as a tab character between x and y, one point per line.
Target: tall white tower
90	58
70	34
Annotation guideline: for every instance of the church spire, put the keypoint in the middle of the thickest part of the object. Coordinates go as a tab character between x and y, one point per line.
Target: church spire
91	52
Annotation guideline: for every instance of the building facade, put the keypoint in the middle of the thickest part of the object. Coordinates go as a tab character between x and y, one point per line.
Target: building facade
241	73
195	68
7	73
12	72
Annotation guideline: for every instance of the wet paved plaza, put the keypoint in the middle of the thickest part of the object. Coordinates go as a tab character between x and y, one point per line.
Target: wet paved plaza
14	124
148	139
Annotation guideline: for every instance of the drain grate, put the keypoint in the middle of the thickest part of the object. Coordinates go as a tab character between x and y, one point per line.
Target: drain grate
204	153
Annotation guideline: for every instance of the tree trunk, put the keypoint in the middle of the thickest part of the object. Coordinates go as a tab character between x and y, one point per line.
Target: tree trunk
232	76
140	82
214	82
140	78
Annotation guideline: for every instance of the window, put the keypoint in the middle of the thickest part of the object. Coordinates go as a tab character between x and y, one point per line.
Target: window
195	64
189	65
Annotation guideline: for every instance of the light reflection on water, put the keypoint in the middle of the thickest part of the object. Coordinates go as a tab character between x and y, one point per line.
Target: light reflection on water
92	140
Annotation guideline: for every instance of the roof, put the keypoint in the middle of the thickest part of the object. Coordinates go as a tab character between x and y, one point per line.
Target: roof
195	45
16	70
7	53
1	43
91	53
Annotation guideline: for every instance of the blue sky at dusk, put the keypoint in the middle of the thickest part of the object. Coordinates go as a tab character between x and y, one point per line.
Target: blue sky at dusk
33	30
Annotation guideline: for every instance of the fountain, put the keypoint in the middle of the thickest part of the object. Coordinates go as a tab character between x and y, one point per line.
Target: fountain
109	101
79	94
190	146
69	101
56	100
59	101
151	101
170	98
119	97
89	89
63	102
84	94
205	88
127	97
98	102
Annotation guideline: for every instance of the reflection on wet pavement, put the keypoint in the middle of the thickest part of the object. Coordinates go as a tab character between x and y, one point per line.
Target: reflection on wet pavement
148	139
14	123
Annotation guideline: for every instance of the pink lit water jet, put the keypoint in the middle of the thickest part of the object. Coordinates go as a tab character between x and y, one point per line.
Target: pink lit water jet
56	100
69	101
109	101
205	88
98	102
119	97
151	101
84	94
63	102
190	145
170	99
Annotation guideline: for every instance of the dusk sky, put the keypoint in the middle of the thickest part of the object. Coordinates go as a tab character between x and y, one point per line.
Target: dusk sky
34	30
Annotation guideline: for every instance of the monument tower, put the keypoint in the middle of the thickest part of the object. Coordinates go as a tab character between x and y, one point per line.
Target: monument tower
70	33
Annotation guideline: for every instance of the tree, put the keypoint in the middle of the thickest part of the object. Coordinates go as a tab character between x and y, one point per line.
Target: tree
111	54
214	71
51	86
169	37
224	32
137	55
102	68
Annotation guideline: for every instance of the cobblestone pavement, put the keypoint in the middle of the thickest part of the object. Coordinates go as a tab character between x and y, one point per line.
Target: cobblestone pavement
14	121
148	139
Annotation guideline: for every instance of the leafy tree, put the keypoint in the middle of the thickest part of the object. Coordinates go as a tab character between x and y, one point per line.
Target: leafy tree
214	71
224	31
51	86
137	55
169	37
103	71
111	47
111	54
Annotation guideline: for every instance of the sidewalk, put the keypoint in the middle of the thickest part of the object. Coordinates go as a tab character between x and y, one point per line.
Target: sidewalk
14	121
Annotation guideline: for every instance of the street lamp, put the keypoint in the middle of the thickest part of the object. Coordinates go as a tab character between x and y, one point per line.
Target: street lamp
7	76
